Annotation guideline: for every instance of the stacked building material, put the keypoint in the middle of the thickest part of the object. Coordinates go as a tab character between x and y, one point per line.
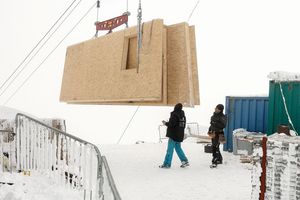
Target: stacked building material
243	141
256	170
105	70
282	170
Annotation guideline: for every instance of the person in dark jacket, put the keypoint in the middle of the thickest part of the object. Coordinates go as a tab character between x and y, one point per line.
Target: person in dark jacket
175	133
217	124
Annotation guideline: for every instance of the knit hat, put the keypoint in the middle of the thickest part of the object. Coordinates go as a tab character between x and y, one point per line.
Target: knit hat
220	107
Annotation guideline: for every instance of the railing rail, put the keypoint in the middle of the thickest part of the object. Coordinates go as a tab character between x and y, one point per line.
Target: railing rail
112	186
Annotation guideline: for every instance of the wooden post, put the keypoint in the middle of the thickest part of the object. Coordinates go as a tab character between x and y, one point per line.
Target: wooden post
264	170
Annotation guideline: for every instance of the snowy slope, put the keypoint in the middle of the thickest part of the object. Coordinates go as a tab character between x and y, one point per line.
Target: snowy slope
137	176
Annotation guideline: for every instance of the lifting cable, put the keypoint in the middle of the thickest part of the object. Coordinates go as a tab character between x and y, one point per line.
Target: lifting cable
128	125
39	49
191	14
139	33
286	110
98	8
97	20
38	44
50	53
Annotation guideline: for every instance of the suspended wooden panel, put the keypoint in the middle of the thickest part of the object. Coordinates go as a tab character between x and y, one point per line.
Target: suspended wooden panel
167	74
105	69
194	65
180	83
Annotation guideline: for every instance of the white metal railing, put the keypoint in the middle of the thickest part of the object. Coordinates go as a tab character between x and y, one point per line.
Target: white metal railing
71	161
74	163
191	129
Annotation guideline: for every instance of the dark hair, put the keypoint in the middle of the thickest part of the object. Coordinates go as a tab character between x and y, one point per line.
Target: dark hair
220	107
178	107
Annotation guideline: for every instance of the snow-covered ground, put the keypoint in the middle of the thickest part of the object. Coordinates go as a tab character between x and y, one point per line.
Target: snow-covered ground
34	187
137	176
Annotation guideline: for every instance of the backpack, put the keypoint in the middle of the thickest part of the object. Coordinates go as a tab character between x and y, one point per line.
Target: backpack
182	122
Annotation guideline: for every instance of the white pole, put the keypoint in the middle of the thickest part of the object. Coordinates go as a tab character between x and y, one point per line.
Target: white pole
84	166
58	158
18	143
90	171
32	145
22	145
47	157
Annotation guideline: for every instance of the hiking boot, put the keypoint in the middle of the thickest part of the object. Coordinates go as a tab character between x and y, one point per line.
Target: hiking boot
164	166
214	165
184	164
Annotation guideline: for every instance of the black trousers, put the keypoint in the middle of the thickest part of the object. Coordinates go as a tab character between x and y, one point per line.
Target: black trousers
217	157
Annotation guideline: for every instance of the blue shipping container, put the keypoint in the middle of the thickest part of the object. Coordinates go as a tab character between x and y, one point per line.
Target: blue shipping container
250	113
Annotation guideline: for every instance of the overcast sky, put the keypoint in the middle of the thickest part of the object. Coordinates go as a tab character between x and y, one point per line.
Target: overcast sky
238	43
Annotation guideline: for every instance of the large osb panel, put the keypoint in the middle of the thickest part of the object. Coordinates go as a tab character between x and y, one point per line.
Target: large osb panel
182	73
194	65
95	70
180	79
163	102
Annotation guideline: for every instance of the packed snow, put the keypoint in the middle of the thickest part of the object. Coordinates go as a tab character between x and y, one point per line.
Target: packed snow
137	175
280	76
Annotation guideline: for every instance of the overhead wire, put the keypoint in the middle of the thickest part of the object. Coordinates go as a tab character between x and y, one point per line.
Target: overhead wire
45	42
38	44
128	125
192	12
50	54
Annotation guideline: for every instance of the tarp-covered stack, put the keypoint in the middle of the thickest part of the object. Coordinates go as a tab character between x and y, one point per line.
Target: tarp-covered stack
105	70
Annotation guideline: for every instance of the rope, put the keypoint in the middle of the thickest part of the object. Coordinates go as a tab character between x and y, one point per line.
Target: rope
285	107
190	16
40	48
128	124
37	44
49	54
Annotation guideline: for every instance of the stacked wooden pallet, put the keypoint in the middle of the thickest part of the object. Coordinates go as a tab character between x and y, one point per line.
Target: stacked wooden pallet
105	70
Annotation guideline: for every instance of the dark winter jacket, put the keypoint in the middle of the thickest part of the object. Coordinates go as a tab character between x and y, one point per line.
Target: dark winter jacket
218	122
176	124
